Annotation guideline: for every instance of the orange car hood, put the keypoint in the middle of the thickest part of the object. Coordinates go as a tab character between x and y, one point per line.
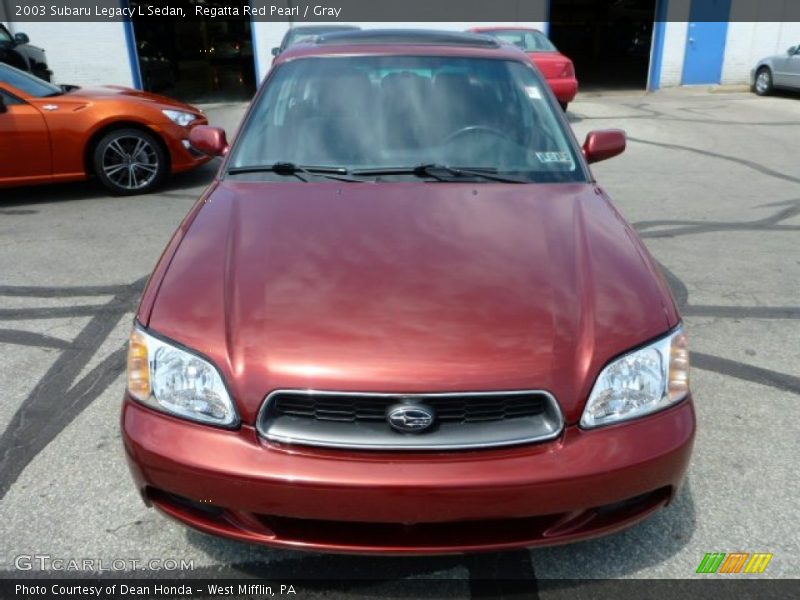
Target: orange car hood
117	92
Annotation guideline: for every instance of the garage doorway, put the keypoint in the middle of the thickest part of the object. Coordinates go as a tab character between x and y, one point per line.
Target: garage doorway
608	40
199	61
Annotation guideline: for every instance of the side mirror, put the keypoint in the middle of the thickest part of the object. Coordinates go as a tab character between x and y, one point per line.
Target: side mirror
209	140
21	38
276	51
603	144
792	51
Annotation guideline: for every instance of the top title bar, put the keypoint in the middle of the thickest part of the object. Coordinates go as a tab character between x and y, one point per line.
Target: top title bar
277	10
386	11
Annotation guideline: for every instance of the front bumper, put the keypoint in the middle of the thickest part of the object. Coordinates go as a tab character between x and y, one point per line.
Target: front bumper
564	89
182	156
232	483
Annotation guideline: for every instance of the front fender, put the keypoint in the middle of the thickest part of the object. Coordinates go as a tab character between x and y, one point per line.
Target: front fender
765	62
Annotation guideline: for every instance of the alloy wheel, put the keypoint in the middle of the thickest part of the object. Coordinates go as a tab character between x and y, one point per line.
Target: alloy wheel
130	162
763	82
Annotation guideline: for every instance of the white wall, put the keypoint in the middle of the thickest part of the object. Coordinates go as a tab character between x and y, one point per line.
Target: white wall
674	52
82	53
748	39
268	35
674	48
748	42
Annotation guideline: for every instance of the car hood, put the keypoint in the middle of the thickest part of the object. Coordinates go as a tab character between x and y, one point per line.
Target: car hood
116	93
409	287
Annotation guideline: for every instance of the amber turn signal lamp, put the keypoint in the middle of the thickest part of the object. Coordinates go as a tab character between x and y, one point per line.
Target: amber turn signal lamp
138	367
679	367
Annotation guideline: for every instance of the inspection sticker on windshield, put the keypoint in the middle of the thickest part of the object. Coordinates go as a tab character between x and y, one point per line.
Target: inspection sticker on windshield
554	157
533	92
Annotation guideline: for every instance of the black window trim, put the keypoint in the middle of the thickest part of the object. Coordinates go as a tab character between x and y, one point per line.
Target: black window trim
15	100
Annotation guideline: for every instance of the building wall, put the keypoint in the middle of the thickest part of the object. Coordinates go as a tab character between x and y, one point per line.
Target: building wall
97	53
674	52
751	38
673	47
268	35
82	53
748	39
749	42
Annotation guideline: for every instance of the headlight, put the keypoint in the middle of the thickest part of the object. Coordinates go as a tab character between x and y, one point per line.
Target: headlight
179	117
175	381
641	382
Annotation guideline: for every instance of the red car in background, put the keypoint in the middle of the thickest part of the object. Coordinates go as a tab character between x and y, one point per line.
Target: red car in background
557	69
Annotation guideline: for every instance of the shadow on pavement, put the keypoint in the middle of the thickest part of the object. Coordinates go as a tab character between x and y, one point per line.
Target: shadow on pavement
784	93
86	190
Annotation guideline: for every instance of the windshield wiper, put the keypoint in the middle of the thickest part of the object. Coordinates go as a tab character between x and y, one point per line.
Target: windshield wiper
441	172
291	169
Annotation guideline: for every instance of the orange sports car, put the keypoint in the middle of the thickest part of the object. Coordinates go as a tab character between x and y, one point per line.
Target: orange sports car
129	140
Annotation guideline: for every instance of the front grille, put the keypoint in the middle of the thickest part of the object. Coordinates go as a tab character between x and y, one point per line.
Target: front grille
359	420
449	409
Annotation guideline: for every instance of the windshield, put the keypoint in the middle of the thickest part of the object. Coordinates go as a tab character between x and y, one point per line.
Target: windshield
529	41
30	85
372	112
5	36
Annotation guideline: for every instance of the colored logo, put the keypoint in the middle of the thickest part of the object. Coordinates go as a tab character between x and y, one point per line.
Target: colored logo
736	562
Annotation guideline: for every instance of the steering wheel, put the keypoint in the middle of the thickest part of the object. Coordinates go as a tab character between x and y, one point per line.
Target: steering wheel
470	129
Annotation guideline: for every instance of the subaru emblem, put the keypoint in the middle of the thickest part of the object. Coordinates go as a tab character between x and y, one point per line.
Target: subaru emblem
410	417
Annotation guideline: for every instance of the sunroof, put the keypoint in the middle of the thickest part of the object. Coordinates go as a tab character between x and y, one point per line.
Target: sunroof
419	37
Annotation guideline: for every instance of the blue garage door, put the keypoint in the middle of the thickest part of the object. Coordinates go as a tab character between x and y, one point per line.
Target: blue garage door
705	41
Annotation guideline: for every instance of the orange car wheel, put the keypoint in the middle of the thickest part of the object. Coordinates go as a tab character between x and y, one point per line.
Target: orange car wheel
130	161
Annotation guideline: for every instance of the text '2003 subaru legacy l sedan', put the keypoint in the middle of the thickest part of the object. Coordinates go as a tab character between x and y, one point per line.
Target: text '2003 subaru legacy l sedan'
405	319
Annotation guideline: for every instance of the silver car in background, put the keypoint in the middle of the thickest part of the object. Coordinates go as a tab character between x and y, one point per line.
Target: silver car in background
781	71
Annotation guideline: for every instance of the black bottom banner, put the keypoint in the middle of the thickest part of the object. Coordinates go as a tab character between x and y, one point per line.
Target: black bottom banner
244	589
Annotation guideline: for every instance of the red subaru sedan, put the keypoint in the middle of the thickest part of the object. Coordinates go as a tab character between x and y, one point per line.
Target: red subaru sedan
557	69
405	318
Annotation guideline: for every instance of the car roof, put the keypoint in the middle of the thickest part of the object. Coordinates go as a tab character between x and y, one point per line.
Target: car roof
506	28
403	42
408	36
324	28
